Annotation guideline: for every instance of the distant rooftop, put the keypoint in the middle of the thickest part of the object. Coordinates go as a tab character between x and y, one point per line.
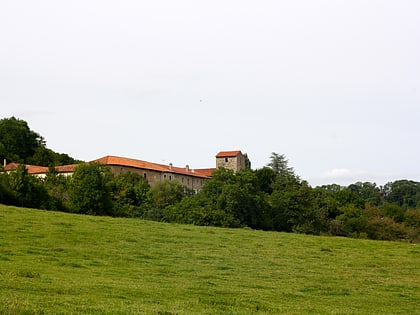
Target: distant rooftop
228	153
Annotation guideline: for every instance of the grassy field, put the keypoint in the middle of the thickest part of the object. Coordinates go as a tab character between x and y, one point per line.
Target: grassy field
57	263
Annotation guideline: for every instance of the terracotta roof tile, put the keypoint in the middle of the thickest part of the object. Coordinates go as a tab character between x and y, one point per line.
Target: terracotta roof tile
66	168
32	169
11	166
207	172
122	161
228	153
35	169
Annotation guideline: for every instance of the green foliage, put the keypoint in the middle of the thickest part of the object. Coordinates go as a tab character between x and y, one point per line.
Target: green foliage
353	219
7	196
384	228
412	218
168	192
247	162
393	211
25	190
196	210
18	143
265	179
288	200
164	194
280	164
227	199
89	190
405	193
58	189
347	197
369	192
130	195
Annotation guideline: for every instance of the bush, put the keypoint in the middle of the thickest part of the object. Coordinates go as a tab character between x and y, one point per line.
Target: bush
384	228
412	218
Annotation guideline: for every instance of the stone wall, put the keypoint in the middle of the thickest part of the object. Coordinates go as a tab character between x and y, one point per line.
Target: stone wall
235	163
153	177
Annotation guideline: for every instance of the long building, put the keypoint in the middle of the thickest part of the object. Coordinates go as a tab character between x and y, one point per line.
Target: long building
152	172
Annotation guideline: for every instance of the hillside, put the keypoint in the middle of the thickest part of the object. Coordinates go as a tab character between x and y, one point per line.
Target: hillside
58	263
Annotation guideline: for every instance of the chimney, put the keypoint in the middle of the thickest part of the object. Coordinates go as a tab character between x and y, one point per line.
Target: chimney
187	168
170	166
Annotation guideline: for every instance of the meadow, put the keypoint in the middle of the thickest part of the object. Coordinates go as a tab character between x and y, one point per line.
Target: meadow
60	263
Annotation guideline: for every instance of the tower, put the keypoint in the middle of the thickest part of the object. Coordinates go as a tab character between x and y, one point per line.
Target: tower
233	160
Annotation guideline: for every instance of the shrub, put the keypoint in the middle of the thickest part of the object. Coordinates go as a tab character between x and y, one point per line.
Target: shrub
384	228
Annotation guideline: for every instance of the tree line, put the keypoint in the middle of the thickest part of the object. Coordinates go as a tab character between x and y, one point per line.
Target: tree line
271	198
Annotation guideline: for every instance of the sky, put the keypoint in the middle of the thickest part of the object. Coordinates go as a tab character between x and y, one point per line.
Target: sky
333	85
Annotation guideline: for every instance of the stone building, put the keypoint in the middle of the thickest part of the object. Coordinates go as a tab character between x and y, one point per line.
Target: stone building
152	172
233	160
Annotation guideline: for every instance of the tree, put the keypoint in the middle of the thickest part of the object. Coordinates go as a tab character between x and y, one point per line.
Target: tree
58	189
166	193
20	144
405	193
369	192
27	190
280	164
290	200
265	179
17	141
247	162
130	194
88	191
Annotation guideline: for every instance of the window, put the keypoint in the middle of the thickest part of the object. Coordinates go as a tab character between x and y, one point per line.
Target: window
145	176
226	160
170	177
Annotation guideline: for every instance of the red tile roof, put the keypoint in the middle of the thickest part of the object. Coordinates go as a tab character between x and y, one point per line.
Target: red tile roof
66	168
122	161
35	169
11	166
32	169
207	172
228	154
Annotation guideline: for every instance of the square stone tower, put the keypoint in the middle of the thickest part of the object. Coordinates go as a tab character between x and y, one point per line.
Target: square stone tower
233	160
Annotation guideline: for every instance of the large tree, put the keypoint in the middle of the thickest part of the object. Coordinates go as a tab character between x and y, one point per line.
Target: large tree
130	195
280	164
89	190
17	142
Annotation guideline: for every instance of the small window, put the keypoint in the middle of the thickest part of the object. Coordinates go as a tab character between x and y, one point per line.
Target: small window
145	175
164	176
170	177
226	160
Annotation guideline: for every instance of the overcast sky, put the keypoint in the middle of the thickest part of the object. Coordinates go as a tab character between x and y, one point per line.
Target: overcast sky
334	85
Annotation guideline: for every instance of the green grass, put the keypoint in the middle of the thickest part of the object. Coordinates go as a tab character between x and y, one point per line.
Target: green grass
58	263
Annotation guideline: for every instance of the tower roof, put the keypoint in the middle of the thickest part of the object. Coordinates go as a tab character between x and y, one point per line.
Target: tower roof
222	154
